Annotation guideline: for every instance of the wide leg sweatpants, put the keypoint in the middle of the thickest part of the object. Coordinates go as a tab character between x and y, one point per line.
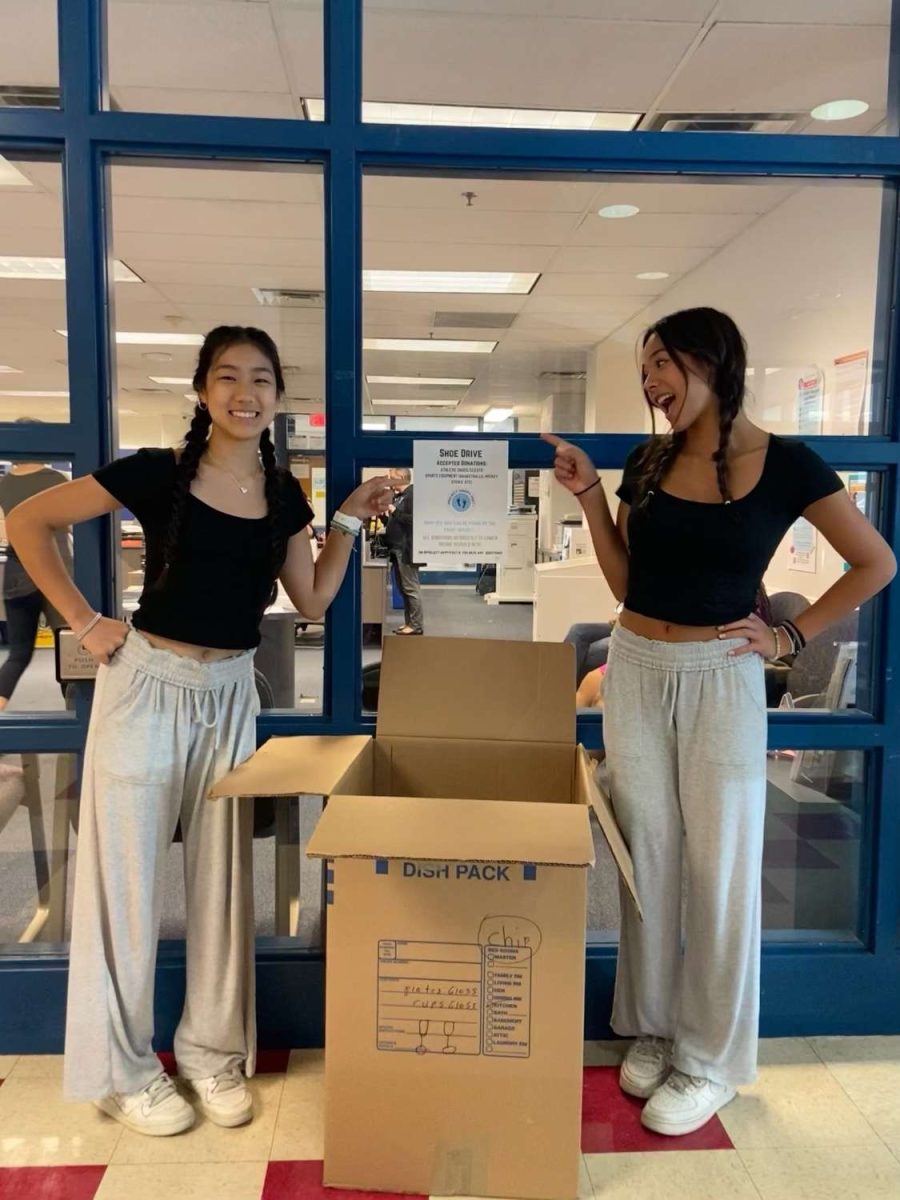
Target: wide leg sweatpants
163	728
685	735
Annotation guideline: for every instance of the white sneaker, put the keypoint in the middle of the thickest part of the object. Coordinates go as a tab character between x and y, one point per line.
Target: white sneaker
224	1098
684	1104
158	1111
645	1067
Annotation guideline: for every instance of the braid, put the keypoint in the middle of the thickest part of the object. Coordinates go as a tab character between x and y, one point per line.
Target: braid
658	457
275	505
728	409
185	471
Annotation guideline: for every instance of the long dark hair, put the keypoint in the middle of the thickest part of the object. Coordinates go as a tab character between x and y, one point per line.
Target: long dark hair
712	338
197	438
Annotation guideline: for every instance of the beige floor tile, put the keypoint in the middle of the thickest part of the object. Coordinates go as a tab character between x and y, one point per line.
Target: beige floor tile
786	1052
799	1106
306	1062
190	1181
39	1066
209	1143
7	1062
855	1050
605	1054
675	1175
40	1129
868	1069
300	1129
822	1174
585	1186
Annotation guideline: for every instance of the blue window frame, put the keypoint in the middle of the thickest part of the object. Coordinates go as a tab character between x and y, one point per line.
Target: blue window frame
840	987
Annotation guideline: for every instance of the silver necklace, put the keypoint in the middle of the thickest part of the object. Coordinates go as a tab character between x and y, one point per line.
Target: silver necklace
243	490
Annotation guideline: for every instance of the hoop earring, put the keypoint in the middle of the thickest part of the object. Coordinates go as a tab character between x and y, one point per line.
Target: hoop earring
202	405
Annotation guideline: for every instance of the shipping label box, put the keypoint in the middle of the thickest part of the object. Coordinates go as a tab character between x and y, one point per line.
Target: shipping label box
457	844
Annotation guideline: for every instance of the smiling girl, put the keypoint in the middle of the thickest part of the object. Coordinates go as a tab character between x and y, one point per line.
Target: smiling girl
174	709
702	511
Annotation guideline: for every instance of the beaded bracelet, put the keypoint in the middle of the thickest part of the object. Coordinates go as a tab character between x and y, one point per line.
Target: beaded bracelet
95	620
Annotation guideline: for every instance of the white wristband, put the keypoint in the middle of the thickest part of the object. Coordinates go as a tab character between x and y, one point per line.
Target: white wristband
95	620
346	524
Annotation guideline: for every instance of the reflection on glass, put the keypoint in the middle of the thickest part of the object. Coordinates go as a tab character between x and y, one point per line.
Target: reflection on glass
34	381
229	58
559	279
606	66
29	56
228	246
29	622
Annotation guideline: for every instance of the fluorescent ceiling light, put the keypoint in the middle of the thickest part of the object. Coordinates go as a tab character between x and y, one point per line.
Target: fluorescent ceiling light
616	212
53	268
509	283
430	345
378	425
170	380
494	416
466	428
415	403
653	275
39	395
839	110
10	371
11	176
419	381
152	339
378	113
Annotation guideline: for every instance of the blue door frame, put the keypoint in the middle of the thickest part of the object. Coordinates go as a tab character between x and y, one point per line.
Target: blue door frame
808	987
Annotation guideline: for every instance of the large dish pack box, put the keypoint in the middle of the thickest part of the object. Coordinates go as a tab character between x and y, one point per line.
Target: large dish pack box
457	844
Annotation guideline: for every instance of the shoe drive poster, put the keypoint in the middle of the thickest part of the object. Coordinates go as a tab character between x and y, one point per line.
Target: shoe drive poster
461	501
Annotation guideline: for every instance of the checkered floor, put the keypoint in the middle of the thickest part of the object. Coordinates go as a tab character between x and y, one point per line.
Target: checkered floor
822	1123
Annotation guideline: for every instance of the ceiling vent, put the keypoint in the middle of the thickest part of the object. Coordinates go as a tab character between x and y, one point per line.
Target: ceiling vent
729	122
289	298
569	376
13	96
473	320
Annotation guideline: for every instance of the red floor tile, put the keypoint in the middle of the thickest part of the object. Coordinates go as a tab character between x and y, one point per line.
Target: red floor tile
611	1121
303	1181
49	1183
268	1062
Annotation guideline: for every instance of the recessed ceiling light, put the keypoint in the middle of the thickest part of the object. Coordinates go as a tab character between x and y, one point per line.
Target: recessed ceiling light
415	403
653	275
10	371
616	212
376	426
152	339
508	283
839	110
11	176
39	395
170	380
429	345
378	113
494	416
471	428
419	381
19	267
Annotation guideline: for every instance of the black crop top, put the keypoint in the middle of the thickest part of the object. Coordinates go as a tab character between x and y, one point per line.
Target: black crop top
694	563
217	590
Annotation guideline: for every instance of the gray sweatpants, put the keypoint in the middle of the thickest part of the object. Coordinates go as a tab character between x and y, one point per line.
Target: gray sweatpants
685	734
163	728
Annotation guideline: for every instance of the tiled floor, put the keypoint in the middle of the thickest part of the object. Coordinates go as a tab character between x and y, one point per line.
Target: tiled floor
822	1123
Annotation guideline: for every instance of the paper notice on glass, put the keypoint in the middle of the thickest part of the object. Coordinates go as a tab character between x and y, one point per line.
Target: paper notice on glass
809	403
804	544
852	398
460	510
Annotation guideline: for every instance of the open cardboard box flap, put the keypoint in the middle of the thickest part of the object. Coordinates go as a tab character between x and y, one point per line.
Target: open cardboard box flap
454	831
288	766
474	688
609	826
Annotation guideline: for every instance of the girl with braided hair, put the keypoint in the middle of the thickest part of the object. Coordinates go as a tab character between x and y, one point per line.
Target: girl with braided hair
174	709
702	510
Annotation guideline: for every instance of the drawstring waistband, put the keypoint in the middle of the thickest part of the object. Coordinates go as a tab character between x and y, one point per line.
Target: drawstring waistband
676	656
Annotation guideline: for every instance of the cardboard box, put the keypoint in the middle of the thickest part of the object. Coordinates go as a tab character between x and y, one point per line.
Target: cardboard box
458	842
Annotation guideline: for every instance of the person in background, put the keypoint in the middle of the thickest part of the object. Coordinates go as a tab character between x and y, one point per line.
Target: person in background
175	709
399	537
702	511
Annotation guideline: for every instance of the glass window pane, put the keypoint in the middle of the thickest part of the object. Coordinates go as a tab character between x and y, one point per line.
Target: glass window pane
29	624
620	64
525	299
224	246
228	58
34	382
29	54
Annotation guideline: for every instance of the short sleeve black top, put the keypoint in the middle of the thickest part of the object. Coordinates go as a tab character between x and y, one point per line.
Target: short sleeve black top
693	563
217	590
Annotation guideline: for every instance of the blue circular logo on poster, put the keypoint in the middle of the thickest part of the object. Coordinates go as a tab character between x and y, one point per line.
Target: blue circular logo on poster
461	501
